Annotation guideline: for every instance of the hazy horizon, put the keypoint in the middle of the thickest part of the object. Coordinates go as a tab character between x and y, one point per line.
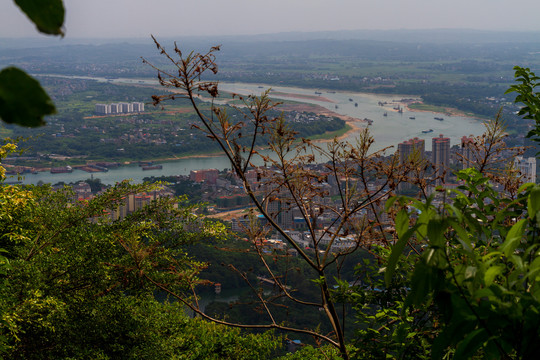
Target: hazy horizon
172	18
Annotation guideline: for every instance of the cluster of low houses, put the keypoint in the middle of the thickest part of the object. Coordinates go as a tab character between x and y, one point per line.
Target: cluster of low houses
225	185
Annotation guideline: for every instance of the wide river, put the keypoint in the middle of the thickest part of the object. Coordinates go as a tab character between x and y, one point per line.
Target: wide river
387	130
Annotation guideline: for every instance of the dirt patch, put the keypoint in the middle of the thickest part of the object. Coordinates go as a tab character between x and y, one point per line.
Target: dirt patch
229	215
447	110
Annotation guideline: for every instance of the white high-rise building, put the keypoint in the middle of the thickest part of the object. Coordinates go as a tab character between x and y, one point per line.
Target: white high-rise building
119	108
103	109
138	106
526	168
126	107
116	108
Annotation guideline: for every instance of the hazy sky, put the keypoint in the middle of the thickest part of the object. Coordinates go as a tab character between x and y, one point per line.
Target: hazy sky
138	18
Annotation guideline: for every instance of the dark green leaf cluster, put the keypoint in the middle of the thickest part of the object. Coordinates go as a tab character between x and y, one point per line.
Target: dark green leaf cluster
528	95
480	268
386	329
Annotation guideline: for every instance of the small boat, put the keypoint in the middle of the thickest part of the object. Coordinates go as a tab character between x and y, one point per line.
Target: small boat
385	114
356	104
427	131
412	117
61	170
152	167
318	93
439	118
337	106
350	99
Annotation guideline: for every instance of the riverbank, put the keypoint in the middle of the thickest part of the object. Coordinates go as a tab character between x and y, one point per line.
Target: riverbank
420	106
387	128
86	165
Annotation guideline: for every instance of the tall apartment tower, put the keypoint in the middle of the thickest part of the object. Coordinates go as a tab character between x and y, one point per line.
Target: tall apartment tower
467	153
526	167
406	149
116	108
440	157
138	106
126	107
103	109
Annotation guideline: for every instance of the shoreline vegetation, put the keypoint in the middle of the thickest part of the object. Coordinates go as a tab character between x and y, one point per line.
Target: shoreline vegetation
342	133
350	127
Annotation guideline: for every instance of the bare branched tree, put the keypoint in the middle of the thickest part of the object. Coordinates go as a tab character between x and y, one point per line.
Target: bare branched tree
294	182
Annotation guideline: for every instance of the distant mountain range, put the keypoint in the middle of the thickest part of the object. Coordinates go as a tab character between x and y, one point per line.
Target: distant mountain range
361	45
437	36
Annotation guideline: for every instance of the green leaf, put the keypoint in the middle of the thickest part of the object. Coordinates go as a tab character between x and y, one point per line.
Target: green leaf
435	232
402	222
462	236
483	293
397	250
435	257
534	270
22	99
533	202
513	238
524	187
48	16
491	274
470	272
390	202
423	281
471	343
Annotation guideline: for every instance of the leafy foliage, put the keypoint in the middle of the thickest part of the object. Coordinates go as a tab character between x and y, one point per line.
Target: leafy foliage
73	280
529	97
480	268
386	329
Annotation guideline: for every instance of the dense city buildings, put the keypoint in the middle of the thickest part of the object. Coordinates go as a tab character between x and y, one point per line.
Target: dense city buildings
208	176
